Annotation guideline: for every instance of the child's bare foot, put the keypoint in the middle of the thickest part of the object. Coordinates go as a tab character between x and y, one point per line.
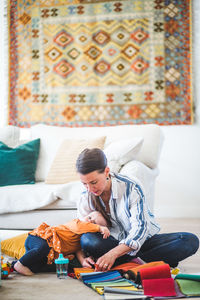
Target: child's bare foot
22	269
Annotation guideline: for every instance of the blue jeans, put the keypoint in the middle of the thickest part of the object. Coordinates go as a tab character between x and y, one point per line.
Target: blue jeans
168	247
35	258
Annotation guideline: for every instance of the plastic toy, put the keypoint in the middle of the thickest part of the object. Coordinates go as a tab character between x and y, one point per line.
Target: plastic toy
5	268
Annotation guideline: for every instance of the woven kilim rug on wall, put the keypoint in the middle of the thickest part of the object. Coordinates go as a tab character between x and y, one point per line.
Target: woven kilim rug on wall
97	63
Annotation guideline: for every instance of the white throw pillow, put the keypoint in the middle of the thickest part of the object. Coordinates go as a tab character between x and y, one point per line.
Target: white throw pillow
146	176
9	135
26	197
120	152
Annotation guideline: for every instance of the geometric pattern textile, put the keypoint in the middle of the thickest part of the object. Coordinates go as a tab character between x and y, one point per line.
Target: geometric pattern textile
99	63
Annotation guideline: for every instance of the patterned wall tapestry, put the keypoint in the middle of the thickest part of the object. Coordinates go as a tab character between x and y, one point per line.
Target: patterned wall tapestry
95	63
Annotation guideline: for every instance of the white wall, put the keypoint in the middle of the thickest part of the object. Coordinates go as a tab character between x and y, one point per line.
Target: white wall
178	185
3	69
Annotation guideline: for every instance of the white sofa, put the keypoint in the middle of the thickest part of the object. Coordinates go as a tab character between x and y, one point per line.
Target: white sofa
133	150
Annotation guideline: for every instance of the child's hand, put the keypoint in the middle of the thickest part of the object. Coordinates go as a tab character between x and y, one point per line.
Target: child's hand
105	231
88	262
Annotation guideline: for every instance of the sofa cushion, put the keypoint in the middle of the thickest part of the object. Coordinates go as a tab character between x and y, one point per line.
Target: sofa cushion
10	135
21	198
63	168
14	246
18	164
16	198
120	152
52	136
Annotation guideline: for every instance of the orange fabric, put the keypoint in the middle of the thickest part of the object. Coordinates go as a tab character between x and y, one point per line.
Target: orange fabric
147	265
78	271
64	238
126	266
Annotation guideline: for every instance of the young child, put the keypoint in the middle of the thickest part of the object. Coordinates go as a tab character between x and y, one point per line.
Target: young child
44	243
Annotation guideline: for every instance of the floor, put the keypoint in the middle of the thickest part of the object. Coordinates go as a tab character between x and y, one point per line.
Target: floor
47	286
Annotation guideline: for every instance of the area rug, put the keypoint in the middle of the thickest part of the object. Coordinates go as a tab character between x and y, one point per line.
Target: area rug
99	63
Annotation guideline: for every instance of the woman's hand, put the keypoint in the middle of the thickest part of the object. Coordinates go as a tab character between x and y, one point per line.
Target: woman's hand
105	262
105	231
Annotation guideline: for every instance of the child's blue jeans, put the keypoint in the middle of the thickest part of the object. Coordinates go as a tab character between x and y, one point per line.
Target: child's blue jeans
168	247
35	258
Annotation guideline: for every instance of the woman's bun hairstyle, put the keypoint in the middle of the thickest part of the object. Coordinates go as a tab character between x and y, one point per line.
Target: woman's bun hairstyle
90	160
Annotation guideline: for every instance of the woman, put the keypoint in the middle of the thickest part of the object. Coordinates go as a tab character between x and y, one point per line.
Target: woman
134	232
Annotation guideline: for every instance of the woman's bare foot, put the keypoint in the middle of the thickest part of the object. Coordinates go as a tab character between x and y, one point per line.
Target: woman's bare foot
22	269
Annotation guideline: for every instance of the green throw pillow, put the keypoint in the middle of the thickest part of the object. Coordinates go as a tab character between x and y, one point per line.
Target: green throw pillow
18	165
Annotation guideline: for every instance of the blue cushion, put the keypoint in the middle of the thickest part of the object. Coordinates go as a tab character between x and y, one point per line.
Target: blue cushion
18	165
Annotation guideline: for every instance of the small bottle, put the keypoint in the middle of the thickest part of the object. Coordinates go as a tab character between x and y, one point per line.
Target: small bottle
61	266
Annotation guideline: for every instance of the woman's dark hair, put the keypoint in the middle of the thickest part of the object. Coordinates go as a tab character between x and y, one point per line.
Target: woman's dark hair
90	160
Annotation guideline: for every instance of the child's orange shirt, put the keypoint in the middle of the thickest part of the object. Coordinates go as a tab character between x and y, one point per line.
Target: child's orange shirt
64	238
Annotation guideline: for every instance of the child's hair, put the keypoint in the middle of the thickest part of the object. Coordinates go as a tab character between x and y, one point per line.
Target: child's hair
90	160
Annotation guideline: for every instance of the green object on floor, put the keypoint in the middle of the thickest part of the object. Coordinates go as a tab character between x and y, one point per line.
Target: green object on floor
189	287
195	277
